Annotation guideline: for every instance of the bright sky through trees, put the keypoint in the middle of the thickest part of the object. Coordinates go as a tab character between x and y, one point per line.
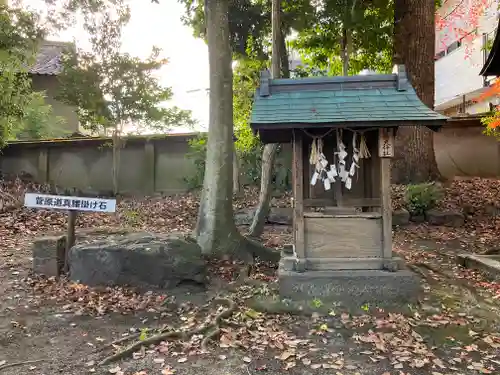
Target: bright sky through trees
160	25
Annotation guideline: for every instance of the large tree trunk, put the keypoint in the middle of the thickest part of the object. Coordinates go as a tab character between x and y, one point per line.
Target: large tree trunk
414	44
216	231
270	150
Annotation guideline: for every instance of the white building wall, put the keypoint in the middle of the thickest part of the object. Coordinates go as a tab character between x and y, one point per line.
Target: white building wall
459	43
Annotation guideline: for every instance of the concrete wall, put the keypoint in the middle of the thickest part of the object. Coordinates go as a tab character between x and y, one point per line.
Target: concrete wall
462	150
456	74
148	165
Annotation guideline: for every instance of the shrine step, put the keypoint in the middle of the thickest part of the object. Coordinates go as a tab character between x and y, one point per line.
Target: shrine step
350	289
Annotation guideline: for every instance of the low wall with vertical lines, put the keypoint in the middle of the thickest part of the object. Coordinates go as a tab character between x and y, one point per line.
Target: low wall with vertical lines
147	164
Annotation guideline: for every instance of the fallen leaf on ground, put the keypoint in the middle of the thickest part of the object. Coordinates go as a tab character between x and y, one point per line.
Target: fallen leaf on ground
286	354
167	371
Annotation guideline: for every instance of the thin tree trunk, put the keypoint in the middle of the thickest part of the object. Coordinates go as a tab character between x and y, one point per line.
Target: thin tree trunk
216	232
236	174
345	54
269	152
285	64
116	159
262	211
414	45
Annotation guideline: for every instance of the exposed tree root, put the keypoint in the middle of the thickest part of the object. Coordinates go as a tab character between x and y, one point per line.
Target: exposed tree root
125	338
494	251
257	250
23	363
417	267
209	330
436	270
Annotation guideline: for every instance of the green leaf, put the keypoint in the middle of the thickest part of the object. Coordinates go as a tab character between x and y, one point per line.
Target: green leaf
252	314
20	107
144	334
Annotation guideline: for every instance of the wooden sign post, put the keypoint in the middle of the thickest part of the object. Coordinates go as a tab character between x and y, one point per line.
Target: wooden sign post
386	143
73	205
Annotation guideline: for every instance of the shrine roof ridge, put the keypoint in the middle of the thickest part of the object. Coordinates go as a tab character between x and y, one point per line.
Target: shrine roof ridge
397	80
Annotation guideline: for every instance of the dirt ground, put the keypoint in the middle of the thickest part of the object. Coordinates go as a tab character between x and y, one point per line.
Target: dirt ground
66	328
453	331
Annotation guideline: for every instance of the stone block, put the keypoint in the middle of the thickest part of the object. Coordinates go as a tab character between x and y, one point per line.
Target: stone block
394	264
492	210
244	216
351	289
446	218
280	215
288	249
488	265
400	217
277	216
417	218
48	255
287	262
139	260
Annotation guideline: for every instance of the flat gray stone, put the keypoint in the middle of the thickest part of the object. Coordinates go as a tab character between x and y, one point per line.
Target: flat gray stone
400	217
48	255
280	216
138	259
244	216
492	210
417	218
445	218
277	216
350	289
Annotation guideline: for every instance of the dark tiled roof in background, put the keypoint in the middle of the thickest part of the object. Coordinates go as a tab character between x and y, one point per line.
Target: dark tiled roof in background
48	59
492	65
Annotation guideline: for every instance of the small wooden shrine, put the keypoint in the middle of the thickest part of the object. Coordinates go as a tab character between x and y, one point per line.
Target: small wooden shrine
342	133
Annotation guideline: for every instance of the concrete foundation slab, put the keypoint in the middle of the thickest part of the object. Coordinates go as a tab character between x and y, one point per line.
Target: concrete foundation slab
488	265
350	289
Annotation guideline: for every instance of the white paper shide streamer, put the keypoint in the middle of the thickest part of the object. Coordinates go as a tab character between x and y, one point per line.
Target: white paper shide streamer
338	169
318	159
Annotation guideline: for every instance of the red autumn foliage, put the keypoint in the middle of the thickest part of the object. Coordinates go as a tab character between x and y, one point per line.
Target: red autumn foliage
460	22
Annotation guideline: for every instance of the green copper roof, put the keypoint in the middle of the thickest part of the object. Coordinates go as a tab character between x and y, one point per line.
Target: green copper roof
354	101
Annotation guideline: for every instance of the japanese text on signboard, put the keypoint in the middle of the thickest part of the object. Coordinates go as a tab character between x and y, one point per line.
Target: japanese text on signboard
386	143
69	203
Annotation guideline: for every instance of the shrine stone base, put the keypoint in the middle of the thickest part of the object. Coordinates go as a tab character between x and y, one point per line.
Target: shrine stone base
350	289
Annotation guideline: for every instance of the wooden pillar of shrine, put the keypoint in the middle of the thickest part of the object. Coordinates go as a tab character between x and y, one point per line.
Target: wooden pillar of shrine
386	152
298	201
